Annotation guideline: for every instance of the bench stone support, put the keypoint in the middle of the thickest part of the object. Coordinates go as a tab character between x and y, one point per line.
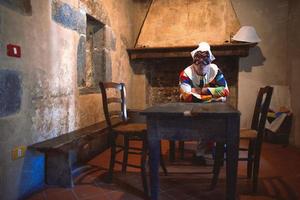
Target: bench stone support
58	169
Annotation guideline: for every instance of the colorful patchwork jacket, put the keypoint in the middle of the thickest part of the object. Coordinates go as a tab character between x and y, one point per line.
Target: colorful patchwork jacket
214	81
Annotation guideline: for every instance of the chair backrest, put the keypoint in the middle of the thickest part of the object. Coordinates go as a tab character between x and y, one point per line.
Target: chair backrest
261	109
114	102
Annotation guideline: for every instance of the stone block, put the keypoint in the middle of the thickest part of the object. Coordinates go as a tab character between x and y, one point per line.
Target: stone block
98	39
81	61
109	38
10	92
102	66
58	169
107	65
99	69
68	17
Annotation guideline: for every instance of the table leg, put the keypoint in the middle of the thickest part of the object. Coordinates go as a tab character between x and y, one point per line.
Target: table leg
154	154
172	150
232	147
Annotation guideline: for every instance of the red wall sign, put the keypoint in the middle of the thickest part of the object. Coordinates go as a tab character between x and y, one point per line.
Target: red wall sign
13	50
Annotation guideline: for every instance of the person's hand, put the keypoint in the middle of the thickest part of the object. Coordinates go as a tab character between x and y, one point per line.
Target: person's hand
196	90
204	90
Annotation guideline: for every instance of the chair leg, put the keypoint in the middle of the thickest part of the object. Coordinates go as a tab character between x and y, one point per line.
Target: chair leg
143	167
162	163
219	159
250	159
112	157
256	165
171	150
125	154
181	149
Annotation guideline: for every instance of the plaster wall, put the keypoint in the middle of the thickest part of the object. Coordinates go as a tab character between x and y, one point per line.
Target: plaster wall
266	63
132	14
50	101
46	68
294	70
188	22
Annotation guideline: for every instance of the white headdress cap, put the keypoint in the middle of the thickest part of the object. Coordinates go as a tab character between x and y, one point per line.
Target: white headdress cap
203	46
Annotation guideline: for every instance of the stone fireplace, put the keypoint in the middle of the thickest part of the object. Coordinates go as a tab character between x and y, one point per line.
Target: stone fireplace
165	41
163	65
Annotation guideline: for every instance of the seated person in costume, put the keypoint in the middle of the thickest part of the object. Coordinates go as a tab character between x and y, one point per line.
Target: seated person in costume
202	82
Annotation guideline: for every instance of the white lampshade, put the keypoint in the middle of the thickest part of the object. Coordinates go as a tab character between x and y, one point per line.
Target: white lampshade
246	34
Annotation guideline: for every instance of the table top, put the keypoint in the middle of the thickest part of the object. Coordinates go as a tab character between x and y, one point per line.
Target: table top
191	109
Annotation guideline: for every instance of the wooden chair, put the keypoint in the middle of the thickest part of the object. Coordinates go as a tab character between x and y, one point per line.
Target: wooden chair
254	135
115	111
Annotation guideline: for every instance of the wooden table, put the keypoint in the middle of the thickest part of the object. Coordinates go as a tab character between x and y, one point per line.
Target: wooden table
191	121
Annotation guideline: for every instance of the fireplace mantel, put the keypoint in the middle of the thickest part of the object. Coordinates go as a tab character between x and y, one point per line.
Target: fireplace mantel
227	49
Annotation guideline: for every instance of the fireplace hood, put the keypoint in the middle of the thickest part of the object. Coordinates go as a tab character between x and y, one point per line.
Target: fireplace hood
173	28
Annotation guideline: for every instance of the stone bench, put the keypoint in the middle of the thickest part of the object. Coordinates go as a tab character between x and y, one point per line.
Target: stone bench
67	153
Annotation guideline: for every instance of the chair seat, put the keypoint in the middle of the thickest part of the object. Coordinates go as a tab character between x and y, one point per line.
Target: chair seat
131	128
248	134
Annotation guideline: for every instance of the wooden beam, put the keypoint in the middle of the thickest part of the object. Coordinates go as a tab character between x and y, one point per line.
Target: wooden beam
227	49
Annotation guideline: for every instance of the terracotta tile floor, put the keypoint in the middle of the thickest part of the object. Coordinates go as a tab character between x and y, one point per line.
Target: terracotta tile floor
279	179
